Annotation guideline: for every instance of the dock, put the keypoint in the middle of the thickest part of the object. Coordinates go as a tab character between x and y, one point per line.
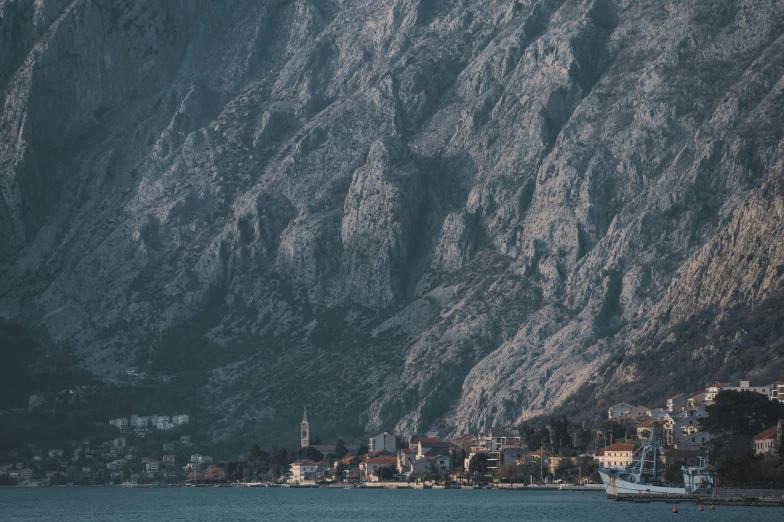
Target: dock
719	497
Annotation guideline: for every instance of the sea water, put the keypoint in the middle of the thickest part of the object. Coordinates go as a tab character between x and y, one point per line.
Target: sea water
117	504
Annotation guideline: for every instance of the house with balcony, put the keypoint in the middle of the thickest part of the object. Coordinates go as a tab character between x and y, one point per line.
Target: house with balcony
617	411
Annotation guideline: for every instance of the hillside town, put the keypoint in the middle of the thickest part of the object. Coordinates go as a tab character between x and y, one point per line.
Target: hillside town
133	454
496	454
155	449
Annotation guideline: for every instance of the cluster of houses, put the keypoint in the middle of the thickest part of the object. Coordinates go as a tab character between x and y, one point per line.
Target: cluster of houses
678	423
111	459
422	455
141	424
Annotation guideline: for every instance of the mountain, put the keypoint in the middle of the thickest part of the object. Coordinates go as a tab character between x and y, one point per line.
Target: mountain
420	215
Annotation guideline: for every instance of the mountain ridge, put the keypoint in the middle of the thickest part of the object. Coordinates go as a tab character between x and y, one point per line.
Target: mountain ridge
452	214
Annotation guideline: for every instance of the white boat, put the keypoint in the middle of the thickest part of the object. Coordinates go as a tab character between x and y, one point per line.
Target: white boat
641	478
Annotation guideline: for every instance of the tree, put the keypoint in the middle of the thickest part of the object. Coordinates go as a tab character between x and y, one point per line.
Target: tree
478	465
510	473
733	469
308	452
362	450
214	474
741	413
673	473
340	449
339	470
58	479
559	435
385	472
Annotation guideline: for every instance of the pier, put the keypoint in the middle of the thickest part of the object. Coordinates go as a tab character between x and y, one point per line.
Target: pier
719	497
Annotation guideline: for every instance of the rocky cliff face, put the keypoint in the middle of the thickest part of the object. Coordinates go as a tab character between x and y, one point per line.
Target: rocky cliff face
421	215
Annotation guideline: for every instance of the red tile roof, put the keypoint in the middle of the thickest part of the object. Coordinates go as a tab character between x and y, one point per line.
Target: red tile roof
676	396
620	447
437	451
769	433
382	460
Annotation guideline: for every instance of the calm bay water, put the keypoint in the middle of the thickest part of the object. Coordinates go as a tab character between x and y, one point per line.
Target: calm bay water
299	505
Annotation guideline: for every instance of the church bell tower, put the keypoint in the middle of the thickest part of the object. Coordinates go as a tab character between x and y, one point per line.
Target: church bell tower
304	439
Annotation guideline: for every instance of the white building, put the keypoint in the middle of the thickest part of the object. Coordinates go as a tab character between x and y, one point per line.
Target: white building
422	466
385	441
152	467
372	465
766	442
139	422
440	463
496	440
616	455
120	423
164	425
777	391
303	470
116	464
746	386
405	457
693	441
677	402
638	413
179	420
54	453
713	390
425	447
617	411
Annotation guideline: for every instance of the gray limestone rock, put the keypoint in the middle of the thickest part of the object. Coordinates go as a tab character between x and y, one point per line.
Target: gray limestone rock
451	213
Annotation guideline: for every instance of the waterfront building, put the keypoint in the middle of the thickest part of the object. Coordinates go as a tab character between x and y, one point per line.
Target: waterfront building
302	470
616	455
370	466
